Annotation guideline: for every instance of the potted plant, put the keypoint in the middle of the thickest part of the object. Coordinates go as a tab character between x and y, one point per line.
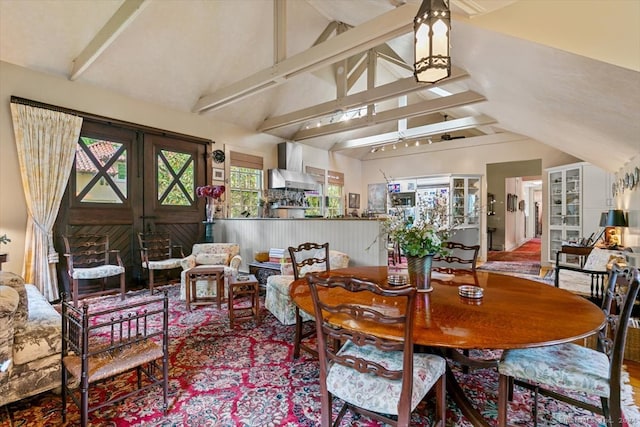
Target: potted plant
4	239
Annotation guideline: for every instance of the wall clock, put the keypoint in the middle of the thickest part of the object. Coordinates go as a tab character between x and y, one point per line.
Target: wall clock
218	156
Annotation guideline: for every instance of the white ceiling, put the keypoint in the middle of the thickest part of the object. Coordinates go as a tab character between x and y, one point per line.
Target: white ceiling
581	98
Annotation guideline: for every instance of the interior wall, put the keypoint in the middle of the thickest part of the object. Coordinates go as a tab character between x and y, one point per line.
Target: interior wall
497	174
629	201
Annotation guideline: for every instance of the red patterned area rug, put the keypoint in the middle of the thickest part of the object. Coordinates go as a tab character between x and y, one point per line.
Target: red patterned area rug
532	268
245	377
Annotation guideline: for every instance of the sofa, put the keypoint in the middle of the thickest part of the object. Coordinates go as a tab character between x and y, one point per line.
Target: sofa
589	280
210	254
30	340
277	298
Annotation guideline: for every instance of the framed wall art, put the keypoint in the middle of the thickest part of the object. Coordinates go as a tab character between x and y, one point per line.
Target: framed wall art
354	201
218	174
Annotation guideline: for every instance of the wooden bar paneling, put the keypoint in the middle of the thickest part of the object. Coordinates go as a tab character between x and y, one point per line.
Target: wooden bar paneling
351	236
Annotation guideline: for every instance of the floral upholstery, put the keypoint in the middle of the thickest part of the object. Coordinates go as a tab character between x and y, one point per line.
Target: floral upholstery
277	298
17	282
29	355
164	264
376	393
225	254
97	272
568	366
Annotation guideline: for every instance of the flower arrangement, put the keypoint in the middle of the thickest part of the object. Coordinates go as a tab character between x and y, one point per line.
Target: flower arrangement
213	191
426	233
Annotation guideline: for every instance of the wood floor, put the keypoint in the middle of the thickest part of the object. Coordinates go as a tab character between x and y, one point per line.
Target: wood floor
634	373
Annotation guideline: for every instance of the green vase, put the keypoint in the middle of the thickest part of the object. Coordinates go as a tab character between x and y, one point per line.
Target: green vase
420	271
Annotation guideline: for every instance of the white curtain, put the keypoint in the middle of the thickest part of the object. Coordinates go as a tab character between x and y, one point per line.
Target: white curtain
46	142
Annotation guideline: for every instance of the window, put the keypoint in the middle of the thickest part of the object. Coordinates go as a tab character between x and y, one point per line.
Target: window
335	185
100	171
314	198
245	180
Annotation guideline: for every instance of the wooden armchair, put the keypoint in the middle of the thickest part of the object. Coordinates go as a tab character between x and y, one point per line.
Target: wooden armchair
158	254
100	344
89	258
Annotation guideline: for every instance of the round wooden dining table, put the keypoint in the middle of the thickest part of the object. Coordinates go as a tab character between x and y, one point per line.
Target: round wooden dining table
513	312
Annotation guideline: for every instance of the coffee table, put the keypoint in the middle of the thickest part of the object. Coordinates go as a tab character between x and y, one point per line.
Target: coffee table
244	285
207	273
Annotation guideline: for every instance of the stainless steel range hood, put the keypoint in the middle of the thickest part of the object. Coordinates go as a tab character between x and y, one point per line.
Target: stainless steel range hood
289	173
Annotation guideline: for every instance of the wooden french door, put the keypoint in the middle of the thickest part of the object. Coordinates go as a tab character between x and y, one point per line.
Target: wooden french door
126	181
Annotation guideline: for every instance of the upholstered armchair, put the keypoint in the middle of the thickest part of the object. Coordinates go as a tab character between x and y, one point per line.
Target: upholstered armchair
226	255
30	340
277	299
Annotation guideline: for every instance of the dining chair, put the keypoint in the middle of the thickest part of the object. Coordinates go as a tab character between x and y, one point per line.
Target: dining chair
99	344
305	258
157	253
373	374
89	258
459	256
571	367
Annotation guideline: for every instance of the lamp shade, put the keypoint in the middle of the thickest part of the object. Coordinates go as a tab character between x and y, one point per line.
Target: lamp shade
616	218
603	219
431	28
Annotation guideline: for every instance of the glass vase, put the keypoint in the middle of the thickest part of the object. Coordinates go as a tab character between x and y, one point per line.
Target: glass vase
420	271
210	210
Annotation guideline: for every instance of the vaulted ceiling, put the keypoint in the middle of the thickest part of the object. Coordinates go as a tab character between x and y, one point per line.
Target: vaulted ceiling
337	74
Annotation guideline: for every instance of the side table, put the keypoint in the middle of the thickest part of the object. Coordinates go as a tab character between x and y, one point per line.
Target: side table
244	285
208	274
262	270
3	258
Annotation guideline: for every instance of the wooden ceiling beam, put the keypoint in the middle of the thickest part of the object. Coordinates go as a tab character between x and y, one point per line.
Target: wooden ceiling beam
414	110
120	20
365	36
357	100
417	132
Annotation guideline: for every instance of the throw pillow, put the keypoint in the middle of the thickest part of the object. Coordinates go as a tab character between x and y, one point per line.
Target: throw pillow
599	258
286	269
17	283
212	259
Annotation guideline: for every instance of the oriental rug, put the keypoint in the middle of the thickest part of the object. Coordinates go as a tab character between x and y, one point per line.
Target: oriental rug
246	377
532	268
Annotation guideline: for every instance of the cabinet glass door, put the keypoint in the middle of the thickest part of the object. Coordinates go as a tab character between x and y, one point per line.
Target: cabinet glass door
572	198
556	196
473	201
457	200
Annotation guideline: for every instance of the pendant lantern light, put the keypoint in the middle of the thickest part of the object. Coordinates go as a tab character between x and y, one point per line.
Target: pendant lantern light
432	29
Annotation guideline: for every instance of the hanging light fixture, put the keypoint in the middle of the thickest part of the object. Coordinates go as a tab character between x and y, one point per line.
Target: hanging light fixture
432	28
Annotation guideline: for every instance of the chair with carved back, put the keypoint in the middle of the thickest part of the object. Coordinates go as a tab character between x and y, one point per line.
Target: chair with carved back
101	343
90	258
157	253
380	377
305	258
459	256
574	368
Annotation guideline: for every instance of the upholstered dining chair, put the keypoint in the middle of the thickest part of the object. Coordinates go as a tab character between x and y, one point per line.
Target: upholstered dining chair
374	375
459	256
157	253
595	372
88	258
305	258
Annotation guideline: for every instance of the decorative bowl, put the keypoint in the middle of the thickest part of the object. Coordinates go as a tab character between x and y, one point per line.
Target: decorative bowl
261	256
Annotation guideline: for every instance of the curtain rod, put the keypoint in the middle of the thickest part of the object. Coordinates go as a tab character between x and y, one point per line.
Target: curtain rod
107	120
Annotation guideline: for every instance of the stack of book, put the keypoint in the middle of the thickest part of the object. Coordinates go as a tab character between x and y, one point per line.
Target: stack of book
276	255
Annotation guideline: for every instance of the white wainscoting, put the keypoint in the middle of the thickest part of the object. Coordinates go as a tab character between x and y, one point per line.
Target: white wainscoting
351	236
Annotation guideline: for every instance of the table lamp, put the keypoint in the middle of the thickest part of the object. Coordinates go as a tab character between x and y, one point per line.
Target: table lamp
615	218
